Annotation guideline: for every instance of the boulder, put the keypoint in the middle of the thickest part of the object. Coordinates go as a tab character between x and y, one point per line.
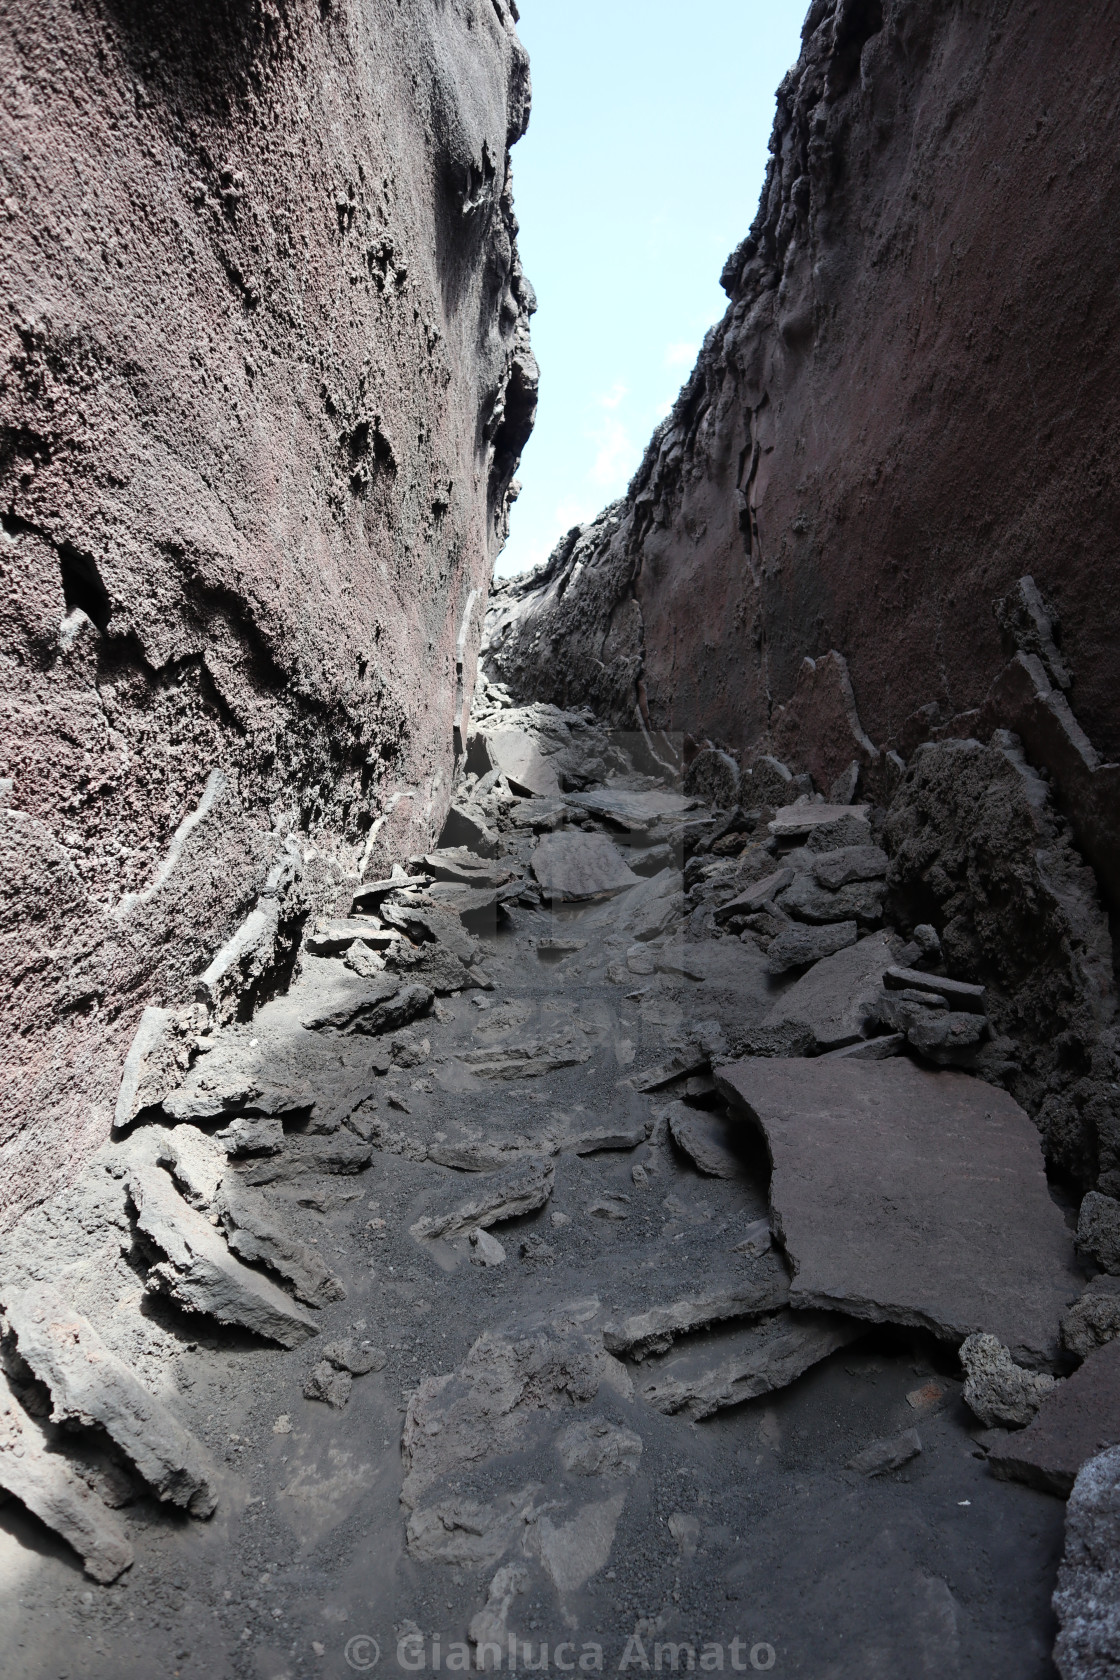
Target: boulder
517	756
708	1141
997	1390
522	1189
1094	1319
810	902
799	947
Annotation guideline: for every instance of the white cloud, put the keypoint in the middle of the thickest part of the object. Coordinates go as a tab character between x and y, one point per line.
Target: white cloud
681	355
613	397
617	454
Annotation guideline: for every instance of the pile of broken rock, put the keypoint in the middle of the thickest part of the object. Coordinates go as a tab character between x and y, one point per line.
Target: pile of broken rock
695	992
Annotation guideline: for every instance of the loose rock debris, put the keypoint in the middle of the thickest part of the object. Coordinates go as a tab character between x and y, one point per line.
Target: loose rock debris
577	1164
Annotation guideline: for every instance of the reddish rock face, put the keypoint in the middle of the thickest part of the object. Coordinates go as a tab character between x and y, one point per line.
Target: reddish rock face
265	380
911	402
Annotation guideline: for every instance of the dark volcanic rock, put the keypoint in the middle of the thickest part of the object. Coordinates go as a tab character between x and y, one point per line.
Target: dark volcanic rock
1078	1420
265	378
911	1197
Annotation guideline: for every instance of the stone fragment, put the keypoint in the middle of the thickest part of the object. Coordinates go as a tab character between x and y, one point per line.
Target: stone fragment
573	866
1087	1599
485	1249
517	756
830	826
197	1161
925	1398
691	1059
846	785
997	1390
456	863
1094	1319
254	1235
480	1155
560	947
654	1329
713	776
634	812
1098	1230
610	1206
869	1049
507	1195
757	1241
928	941
949	1037
594	1447
157	1059
745	1363
1077	1419
523	1061
358	1359
640	960
438	967
489	1627
507	1382
605	1137
892	1454
685	1531
90	1385
200	1274
757	897
332	935
771	783
909	1196
958	994
834	870
466	825
707	1140
809	902
52	1490
838	996
574	1550
329	1385
430	923
364	960
338	1154
797	947
244	1136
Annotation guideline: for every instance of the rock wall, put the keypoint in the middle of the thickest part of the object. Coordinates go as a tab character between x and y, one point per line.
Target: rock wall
265	380
909	404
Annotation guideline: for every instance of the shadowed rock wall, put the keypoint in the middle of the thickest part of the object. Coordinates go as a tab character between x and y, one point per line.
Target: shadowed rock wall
265	379
911	402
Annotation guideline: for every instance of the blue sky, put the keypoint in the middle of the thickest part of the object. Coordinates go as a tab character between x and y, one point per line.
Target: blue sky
641	170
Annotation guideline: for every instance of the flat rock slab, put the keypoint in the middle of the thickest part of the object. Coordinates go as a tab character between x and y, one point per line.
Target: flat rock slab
89	1384
1078	1419
909	1196
633	811
521	1189
746	1363
518	757
764	1289
838	996
201	1275
797	947
707	1140
576	865
54	1492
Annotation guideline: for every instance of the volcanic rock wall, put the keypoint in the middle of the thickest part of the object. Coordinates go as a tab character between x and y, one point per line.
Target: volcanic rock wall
265	381
910	403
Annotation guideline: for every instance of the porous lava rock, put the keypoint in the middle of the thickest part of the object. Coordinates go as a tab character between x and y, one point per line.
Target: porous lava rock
264	379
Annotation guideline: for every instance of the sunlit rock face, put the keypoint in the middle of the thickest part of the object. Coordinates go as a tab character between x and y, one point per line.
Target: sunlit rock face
266	378
909	404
